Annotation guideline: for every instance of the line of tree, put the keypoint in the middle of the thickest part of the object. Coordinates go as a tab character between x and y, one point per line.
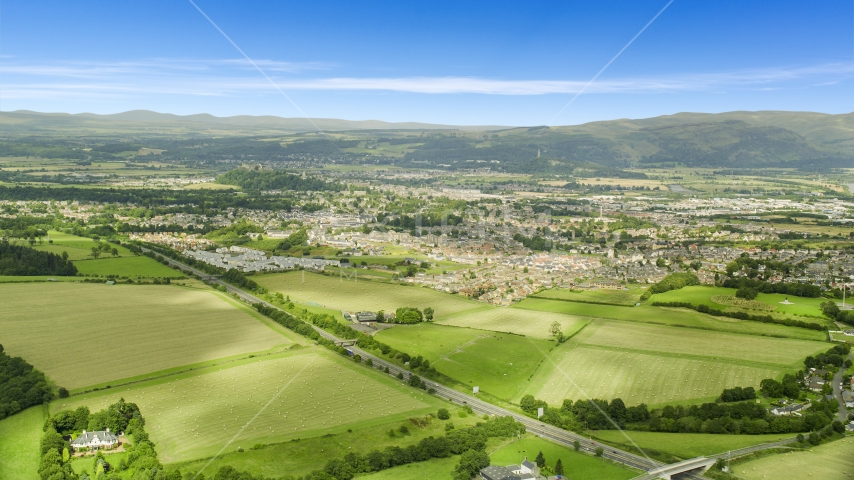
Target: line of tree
21	385
702	308
469	443
22	260
673	281
761	286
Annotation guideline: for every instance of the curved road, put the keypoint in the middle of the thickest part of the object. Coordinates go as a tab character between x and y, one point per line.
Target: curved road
842	416
555	434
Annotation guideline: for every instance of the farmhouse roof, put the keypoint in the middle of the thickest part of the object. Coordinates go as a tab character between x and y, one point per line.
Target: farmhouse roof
86	438
494	472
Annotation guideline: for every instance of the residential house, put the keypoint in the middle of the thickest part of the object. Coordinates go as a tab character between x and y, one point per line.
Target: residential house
793	409
95	440
848	398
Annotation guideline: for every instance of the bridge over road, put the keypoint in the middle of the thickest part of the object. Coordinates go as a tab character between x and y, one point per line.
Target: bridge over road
694	465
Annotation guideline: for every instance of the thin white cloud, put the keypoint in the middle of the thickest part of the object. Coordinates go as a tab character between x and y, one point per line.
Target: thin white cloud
232	77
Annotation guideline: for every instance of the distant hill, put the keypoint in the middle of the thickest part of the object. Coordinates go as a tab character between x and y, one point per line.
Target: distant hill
153	123
807	140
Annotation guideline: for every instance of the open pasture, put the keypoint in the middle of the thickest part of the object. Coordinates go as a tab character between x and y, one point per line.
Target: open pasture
601	295
78	248
577	466
87	334
669	316
500	364
591	372
296	395
704	295
516	320
832	461
345	293
671	340
20	435
133	267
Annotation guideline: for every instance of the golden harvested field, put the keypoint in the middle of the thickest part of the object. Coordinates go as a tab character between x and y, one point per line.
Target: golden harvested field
515	320
353	295
303	394
583	372
87	334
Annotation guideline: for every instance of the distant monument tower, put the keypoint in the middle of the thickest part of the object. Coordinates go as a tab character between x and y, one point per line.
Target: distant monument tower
538	153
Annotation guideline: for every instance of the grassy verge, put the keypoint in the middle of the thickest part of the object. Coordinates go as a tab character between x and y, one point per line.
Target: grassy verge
19	444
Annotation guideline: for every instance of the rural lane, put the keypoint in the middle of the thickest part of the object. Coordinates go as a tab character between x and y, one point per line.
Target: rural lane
544	430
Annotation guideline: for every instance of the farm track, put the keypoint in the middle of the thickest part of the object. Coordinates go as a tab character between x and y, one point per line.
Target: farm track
544	430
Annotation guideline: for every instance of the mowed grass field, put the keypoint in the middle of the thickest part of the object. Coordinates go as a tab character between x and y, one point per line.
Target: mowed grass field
516	320
832	461
86	334
301	394
500	364
591	372
702	295
670	340
668	316
627	297
685	445
19	444
577	466
134	267
656	364
347	294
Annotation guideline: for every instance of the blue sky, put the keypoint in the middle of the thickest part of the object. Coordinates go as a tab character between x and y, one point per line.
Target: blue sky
487	63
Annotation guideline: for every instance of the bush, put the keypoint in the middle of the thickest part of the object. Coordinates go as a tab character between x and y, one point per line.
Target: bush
443	414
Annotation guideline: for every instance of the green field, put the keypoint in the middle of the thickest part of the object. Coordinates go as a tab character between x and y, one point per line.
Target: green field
675	341
353	295
301	457
516	320
669	316
684	445
591	372
833	461
437	468
602	295
306	393
701	295
85	334
19	444
500	364
658	364
577	466
134	267
78	248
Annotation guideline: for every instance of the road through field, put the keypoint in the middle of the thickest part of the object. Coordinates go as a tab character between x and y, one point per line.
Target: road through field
544	430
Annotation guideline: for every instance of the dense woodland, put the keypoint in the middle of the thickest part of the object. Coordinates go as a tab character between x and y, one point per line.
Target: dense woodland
261	180
21	385
21	260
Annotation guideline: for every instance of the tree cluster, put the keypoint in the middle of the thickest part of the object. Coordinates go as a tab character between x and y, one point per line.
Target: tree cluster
21	385
21	260
672	281
256	180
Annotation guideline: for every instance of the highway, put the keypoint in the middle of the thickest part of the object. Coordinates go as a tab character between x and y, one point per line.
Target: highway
544	430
